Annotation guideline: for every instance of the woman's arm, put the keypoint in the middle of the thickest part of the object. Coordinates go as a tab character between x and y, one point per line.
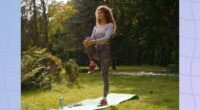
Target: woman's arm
93	32
107	36
90	40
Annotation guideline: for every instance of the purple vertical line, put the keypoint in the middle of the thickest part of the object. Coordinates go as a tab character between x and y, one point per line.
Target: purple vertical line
193	53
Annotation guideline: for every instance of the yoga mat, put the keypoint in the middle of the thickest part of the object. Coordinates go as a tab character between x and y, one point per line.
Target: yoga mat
92	104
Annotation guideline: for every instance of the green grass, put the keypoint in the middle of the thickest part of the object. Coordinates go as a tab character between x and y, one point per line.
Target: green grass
146	68
155	92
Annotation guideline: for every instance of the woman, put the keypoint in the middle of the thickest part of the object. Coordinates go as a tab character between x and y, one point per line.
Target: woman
98	47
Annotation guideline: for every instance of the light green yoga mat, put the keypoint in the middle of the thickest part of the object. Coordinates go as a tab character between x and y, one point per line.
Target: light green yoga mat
92	104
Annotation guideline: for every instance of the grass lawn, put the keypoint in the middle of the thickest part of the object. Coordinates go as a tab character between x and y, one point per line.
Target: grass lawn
155	92
145	68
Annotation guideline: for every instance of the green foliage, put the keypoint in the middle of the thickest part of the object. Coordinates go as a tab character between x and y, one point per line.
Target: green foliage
39	69
71	69
147	31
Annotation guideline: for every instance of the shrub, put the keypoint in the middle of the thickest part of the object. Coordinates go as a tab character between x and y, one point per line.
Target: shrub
71	69
39	69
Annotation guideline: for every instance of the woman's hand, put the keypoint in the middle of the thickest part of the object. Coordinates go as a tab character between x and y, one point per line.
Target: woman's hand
88	42
92	42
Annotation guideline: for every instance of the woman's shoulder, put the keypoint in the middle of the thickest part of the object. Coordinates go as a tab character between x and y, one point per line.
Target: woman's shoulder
106	26
110	23
95	26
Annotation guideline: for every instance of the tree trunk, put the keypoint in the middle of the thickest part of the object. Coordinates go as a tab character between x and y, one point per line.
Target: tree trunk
45	24
35	28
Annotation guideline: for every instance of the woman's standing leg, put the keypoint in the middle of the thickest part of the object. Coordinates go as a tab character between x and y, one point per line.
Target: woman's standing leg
105	58
105	75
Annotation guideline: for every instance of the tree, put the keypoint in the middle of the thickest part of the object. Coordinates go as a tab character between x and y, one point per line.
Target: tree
45	23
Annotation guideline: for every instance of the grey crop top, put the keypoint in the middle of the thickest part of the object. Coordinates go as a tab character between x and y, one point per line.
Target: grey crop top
102	34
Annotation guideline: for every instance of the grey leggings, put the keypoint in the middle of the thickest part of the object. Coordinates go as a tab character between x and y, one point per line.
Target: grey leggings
101	54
